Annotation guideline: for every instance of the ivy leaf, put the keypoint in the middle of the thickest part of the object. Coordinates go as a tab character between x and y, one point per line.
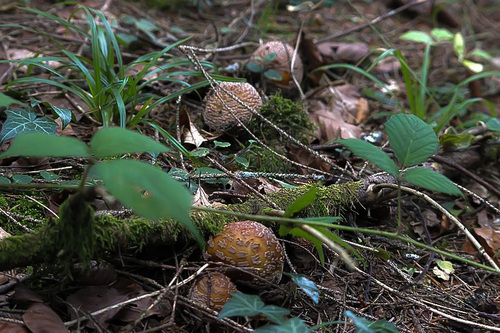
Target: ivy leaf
371	153
6	101
431	180
255	67
23	121
412	140
275	313
293	325
64	114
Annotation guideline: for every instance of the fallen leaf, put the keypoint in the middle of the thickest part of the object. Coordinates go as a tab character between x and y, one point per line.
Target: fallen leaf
343	52
39	318
6	327
331	127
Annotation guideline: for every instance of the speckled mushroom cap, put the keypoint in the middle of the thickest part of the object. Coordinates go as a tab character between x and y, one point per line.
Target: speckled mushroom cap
218	117
212	290
249	245
281	63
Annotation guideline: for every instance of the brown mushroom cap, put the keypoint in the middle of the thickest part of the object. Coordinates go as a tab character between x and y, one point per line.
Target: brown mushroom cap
281	63
251	246
218	117
212	290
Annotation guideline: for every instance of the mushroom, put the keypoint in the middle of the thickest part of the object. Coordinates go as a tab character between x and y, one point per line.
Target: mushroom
212	290
281	63
216	114
250	246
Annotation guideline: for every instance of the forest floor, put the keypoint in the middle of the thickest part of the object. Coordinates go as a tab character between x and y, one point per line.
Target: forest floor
416	289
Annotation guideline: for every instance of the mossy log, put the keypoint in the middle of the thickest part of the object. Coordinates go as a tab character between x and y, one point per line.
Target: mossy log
80	236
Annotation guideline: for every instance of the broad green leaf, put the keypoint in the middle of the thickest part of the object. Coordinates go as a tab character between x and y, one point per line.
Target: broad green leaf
242	160
22	179
371	153
200	152
272	74
49	175
275	313
242	305
113	141
493	125
148	191
307	286
46	145
450	140
64	114
4	180
430	180
255	67
301	202
441	34
270	56
473	66
6	101
446	266
293	325
412	140
418	37
24	121
459	46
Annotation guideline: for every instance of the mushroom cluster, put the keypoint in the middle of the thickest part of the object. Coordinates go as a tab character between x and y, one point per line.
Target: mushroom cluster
218	114
251	248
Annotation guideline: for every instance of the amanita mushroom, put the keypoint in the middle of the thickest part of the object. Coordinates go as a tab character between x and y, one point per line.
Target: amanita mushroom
281	63
250	246
212	290
216	114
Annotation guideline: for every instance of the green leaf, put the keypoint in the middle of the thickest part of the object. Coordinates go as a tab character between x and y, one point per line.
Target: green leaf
221	144
270	56
241	304
113	141
365	326
275	313
46	145
473	66
64	114
431	180
371	153
293	325
307	286
459	46
22	179
255	67
200	152
493	124
148	191
23	121
49	175
4	180
272	74
301	202
412	140
418	37
481	54
242	160
450	140
6	101
441	34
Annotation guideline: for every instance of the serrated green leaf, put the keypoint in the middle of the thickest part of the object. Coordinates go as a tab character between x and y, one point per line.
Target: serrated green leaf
241	304
24	121
22	179
412	140
430	180
272	74
301	202
418	37
441	34
293	325
255	67
459	46
371	153
45	145
114	141
148	191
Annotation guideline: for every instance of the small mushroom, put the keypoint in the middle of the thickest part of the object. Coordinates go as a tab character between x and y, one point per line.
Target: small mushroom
212	290
250	246
216	114
281	63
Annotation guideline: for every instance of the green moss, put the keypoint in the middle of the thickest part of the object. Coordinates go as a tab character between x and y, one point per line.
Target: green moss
22	206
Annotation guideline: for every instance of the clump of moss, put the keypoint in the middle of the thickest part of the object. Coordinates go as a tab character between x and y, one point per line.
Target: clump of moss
262	160
288	115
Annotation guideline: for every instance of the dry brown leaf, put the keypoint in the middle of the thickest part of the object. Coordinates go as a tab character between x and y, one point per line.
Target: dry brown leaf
333	128
343	52
190	133
12	328
39	318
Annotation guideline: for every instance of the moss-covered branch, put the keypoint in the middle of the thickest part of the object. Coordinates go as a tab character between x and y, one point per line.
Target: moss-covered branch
77	236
